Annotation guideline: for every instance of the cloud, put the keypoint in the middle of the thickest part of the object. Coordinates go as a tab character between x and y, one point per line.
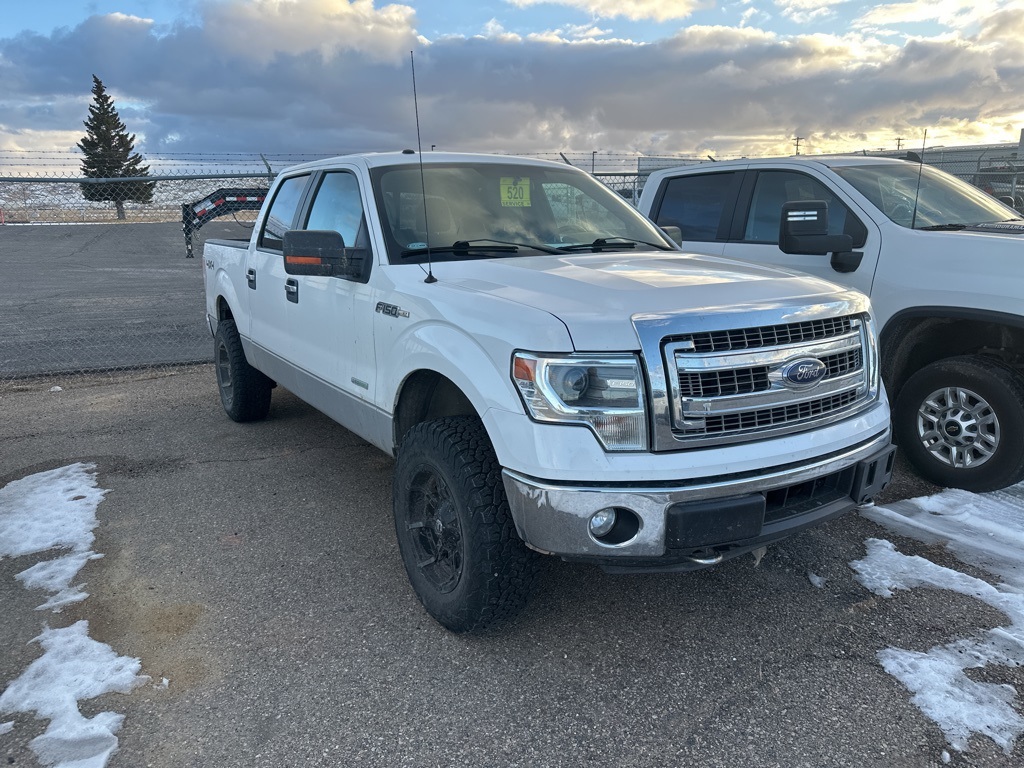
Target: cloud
635	10
950	13
260	30
337	80
803	11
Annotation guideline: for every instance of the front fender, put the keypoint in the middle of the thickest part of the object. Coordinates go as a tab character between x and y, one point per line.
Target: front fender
482	374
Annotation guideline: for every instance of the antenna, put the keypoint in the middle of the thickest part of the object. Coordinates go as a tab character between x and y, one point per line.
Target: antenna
423	185
920	167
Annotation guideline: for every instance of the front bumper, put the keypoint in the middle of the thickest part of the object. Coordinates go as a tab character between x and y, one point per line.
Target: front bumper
693	525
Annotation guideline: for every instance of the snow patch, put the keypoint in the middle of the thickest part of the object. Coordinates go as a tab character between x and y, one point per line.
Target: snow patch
57	510
986	531
73	667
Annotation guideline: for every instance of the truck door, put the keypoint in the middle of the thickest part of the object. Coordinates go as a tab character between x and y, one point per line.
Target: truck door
331	318
701	205
755	236
268	324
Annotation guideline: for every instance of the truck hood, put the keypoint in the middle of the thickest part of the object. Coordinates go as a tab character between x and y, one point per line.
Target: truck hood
596	295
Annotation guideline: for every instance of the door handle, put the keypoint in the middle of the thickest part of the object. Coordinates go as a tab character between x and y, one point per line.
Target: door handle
250	277
291	290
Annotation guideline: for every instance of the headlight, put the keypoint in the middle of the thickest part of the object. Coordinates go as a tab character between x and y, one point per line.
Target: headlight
605	393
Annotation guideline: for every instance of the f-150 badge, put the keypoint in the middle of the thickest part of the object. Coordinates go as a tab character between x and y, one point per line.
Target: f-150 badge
391	310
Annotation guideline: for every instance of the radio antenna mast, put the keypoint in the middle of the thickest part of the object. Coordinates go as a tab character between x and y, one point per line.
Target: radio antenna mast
423	184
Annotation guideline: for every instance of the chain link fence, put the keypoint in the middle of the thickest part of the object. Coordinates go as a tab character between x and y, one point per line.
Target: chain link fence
103	285
97	277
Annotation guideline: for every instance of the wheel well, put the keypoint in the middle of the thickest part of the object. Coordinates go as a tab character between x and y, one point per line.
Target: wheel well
425	396
223	310
909	344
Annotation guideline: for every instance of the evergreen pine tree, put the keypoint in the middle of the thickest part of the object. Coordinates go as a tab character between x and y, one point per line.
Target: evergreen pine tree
110	154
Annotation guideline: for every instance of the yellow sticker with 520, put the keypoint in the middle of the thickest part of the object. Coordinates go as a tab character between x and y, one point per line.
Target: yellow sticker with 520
515	192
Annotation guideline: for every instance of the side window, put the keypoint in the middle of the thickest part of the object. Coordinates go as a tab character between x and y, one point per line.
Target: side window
773	188
337	206
282	211
696	204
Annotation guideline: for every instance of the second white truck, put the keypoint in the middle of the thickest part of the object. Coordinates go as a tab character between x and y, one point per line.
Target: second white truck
550	372
942	261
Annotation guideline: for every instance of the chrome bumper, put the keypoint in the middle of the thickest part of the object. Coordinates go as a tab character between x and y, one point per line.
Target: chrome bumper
702	522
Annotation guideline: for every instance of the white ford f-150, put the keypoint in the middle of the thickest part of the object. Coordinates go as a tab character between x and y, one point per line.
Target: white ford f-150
942	261
550	372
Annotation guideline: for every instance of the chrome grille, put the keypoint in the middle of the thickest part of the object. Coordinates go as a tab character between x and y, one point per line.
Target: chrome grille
842	363
740	384
721	383
770	417
746	380
768	336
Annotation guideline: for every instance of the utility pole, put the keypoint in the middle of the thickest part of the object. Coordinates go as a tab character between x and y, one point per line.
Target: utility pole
593	160
797	141
899	143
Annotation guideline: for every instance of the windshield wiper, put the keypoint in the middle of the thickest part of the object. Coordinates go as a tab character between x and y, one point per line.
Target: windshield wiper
615	241
460	247
944	227
533	246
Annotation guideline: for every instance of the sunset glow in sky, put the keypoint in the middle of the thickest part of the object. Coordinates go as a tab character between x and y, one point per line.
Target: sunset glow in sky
722	77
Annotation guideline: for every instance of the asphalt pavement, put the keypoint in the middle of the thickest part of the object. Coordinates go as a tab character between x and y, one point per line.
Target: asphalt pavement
255	567
101	297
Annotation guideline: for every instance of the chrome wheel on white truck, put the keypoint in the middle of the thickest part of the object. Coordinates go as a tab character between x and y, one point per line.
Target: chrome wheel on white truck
960	421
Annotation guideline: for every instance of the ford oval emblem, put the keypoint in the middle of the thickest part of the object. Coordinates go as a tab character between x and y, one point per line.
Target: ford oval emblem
805	372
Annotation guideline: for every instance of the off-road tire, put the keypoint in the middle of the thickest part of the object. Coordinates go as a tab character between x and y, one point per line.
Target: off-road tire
464	559
970	410
244	391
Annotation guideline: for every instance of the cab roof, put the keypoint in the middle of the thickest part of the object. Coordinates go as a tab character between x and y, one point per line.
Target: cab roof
412	157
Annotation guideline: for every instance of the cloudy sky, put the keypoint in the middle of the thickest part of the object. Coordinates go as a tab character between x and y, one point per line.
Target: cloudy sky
723	77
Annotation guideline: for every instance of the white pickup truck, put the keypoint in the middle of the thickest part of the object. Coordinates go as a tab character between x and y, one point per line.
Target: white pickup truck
551	374
942	261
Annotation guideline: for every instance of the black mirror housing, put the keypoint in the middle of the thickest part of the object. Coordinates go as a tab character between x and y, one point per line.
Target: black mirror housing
320	252
804	230
674	233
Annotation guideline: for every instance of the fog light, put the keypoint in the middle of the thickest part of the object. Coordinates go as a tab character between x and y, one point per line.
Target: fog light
602	522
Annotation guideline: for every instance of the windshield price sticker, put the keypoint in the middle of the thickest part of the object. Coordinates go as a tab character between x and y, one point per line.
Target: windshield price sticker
515	192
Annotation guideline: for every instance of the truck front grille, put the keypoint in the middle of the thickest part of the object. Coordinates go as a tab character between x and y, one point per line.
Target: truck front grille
746	380
771	417
751	383
768	336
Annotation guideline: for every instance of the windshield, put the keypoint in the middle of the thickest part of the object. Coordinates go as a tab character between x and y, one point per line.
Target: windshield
503	210
944	201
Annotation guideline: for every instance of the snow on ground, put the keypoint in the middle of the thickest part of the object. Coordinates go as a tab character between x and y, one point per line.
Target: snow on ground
983	530
57	510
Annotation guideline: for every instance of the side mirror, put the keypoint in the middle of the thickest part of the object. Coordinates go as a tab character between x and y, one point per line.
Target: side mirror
320	252
804	230
674	233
